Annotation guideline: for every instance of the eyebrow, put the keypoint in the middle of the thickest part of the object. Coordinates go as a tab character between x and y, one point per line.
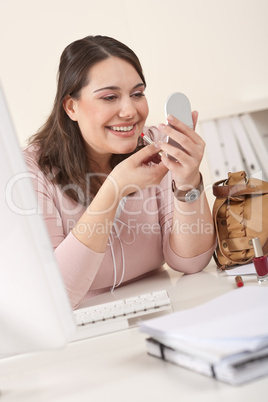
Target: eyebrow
114	88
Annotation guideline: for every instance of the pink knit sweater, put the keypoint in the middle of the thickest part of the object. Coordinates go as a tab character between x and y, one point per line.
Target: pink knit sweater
138	244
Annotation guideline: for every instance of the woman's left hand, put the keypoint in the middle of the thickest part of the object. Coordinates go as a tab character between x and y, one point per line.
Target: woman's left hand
185	170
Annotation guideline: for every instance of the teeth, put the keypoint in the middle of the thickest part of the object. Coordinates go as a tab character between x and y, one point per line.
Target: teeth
126	128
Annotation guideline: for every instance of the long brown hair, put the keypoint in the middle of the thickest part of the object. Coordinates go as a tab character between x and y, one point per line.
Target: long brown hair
59	141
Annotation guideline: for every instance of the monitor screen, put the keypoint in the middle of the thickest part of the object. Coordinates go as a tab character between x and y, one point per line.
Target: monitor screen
35	312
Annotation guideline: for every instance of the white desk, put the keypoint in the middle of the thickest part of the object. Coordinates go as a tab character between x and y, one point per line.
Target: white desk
116	367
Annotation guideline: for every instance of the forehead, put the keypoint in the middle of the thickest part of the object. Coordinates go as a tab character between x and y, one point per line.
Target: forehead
113	71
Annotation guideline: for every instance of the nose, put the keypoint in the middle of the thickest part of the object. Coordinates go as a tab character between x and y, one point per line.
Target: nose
127	109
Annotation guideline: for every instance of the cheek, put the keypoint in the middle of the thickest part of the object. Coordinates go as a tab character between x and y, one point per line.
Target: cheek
145	110
101	116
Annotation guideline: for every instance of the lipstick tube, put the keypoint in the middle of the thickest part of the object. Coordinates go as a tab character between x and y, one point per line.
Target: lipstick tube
239	281
260	261
149	141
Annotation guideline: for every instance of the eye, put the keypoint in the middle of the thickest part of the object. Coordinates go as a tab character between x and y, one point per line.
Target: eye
109	98
138	95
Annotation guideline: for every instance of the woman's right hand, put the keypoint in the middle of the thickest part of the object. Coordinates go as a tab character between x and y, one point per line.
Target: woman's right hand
130	175
135	173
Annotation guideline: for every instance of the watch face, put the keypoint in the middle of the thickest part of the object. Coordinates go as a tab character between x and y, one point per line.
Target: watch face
192	195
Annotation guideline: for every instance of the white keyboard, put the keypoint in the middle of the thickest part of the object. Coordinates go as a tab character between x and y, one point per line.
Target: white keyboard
120	314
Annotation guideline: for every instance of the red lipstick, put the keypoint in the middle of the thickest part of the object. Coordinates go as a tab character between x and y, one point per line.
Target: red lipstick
239	281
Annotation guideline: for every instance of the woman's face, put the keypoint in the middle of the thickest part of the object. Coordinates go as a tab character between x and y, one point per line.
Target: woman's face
111	110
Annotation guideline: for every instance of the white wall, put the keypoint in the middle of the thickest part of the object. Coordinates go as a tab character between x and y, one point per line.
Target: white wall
215	51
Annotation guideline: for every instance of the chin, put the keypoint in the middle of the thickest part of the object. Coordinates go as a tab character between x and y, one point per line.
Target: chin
126	149
129	150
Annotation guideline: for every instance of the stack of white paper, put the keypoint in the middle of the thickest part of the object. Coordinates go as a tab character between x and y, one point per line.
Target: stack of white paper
226	338
247	269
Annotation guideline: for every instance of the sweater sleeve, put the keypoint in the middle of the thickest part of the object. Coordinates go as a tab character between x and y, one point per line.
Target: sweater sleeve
77	263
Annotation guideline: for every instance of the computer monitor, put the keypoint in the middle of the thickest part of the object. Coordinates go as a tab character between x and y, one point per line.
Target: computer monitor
35	313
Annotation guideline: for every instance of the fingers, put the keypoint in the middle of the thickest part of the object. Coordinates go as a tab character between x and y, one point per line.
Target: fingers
148	153
177	127
190	152
180	156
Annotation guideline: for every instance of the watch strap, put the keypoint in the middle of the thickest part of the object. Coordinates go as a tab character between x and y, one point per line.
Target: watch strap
189	195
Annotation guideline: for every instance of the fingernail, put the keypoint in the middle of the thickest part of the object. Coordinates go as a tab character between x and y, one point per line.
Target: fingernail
170	117
161	127
158	144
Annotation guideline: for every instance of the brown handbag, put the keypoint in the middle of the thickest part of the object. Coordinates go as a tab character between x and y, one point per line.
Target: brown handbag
240	213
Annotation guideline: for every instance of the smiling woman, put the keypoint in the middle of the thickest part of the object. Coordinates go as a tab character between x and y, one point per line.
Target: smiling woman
59	142
107	199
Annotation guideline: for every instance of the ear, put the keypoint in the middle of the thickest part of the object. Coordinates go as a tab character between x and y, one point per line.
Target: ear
69	107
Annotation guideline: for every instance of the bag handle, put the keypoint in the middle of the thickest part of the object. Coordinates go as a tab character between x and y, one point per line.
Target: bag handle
221	189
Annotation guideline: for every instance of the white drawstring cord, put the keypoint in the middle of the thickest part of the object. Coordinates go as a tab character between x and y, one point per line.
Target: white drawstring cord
116	219
114	261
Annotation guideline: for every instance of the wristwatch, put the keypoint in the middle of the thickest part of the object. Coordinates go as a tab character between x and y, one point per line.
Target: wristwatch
188	195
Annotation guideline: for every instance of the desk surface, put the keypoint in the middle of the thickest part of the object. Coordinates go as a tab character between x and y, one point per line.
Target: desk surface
116	367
